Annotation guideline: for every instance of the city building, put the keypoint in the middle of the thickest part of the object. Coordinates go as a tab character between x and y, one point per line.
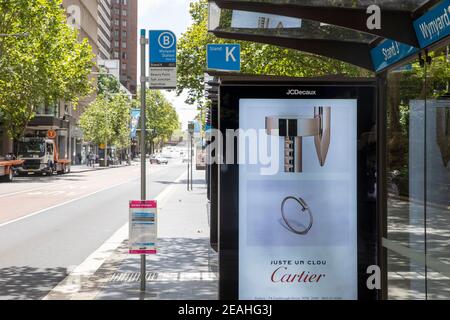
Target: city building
124	40
104	29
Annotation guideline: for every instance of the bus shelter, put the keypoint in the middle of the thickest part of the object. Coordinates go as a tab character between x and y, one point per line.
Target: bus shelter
409	59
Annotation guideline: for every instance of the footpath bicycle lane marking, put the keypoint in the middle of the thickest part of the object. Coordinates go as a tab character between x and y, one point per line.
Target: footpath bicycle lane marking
72	284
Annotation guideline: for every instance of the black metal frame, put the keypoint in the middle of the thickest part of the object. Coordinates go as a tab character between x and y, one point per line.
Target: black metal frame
396	24
360	52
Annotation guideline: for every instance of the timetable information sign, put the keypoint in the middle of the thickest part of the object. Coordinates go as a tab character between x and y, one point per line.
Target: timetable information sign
163	60
143	227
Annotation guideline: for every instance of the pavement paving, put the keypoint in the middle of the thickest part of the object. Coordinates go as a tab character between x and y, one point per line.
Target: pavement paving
97	167
185	267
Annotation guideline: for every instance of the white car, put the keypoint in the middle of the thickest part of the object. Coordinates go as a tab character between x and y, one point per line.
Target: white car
158	160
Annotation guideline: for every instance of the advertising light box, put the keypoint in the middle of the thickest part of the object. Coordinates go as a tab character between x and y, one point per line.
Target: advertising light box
298	208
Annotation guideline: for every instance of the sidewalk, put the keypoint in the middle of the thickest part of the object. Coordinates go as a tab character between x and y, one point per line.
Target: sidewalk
85	168
185	268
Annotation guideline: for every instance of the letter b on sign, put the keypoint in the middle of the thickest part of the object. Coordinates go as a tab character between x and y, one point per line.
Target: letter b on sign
166	40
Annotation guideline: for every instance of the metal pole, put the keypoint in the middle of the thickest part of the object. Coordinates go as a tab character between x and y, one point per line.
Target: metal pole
143	146
192	161
188	157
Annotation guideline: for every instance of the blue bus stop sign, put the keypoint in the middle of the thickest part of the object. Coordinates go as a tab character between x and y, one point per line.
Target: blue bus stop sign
163	60
224	57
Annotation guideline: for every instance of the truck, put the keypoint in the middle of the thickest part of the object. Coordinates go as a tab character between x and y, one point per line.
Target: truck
8	169
41	156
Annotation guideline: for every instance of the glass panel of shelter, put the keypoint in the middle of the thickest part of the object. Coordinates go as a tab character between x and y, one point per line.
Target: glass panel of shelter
419	178
437	163
406	94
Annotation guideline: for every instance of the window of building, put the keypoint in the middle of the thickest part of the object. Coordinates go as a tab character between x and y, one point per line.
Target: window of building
48	109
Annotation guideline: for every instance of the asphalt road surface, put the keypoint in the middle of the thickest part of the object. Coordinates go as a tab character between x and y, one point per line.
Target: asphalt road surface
49	225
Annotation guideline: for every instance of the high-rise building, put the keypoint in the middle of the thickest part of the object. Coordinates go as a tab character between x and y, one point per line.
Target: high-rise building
124	40
104	29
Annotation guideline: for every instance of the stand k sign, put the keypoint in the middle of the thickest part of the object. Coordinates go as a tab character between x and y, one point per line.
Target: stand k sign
224	57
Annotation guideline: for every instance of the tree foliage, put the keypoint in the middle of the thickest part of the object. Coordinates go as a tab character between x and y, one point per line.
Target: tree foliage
256	58
107	121
108	84
47	65
162	118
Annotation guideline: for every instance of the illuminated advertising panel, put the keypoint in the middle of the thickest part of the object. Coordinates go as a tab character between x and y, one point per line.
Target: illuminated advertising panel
298	212
296	225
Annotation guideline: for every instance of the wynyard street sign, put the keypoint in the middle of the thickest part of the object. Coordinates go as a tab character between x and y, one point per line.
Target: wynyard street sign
163	60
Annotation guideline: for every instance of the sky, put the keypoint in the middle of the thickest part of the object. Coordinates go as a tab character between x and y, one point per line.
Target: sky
168	15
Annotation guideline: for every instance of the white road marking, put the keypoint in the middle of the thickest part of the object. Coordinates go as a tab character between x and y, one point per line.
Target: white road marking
56	180
67	202
64	203
72	284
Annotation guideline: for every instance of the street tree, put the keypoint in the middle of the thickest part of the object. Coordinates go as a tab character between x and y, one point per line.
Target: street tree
107	83
44	65
162	118
106	121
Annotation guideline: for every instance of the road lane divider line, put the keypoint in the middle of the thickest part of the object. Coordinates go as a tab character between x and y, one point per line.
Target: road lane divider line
66	202
71	286
63	183
73	200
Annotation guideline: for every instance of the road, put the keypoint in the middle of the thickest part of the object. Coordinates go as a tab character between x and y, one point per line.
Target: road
50	225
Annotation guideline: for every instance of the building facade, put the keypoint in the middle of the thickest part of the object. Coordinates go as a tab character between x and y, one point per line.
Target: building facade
104	29
124	40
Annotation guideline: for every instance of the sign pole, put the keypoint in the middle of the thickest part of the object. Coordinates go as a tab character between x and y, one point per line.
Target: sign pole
143	146
192	161
188	157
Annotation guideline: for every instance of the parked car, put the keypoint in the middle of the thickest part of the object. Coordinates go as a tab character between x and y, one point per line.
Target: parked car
158	160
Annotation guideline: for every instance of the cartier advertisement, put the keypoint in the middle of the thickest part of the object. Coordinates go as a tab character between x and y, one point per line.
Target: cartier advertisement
298	224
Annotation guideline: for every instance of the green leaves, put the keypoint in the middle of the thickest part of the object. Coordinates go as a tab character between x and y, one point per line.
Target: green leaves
107	120
108	84
162	118
48	65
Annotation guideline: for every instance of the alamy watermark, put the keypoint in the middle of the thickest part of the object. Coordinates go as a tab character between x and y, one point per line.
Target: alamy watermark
374	20
249	147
